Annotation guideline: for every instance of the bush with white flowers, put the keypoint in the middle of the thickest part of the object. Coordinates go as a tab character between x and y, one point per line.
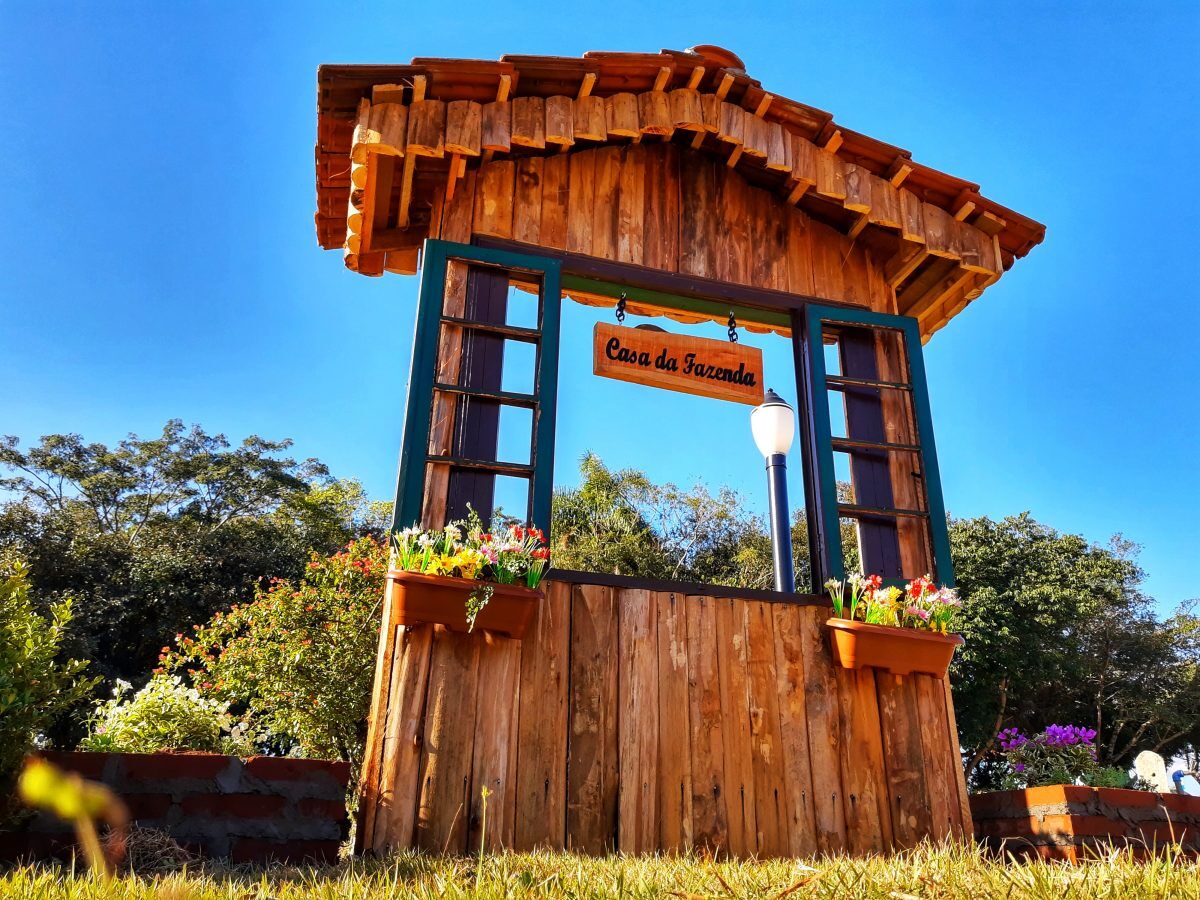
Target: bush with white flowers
165	715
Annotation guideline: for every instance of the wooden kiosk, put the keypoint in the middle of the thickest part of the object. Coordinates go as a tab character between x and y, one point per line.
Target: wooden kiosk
634	715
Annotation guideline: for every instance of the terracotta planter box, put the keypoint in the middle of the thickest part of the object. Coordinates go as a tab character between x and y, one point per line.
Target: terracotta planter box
440	600
1066	821
900	651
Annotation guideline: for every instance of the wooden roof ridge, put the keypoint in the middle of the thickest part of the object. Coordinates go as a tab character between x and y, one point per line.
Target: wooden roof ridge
706	69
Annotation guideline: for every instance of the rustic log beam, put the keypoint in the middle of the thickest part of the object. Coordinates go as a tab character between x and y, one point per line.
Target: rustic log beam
654	114
906	261
989	223
391	93
831	176
804	167
496	128
590	120
757	138
406	181
621	115
962	206
464	127
834	142
732	130
402	262
718	97
687	112
498	115
397	239
529	122
919	298
377	198
586	85
560	121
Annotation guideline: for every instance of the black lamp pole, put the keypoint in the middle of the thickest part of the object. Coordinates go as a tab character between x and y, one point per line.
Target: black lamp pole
773	425
781	529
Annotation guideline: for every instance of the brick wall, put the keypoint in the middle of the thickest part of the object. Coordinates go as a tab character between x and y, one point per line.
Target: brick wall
1063	821
251	810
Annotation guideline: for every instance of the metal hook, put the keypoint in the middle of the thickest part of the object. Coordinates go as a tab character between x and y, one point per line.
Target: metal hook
733	335
621	309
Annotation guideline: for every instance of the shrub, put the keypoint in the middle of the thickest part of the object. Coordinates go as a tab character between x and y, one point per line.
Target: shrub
34	686
165	715
299	658
1061	754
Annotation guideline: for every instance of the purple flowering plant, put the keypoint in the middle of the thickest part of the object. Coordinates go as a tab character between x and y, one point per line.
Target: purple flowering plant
1060	754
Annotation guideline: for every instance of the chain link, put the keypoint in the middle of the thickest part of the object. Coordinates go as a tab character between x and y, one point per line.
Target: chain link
621	309
733	335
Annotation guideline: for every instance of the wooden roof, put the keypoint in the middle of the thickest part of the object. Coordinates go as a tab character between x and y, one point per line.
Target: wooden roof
778	132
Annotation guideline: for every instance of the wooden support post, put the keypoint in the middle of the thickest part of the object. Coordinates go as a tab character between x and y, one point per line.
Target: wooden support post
720	93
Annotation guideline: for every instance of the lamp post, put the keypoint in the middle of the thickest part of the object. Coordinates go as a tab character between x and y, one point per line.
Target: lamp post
773	424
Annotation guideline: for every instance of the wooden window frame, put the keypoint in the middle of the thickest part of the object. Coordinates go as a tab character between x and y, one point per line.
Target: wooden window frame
414	444
820	478
561	272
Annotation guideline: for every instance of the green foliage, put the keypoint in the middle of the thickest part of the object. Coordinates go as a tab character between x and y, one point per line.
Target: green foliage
34	684
1113	777
298	658
165	715
1057	629
154	534
621	522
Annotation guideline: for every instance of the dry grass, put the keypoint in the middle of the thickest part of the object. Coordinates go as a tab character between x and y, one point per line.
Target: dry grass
927	872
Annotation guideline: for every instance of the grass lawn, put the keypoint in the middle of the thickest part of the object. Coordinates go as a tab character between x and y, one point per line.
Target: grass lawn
926	872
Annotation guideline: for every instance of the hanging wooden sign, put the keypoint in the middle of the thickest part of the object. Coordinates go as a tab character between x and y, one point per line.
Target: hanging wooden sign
678	362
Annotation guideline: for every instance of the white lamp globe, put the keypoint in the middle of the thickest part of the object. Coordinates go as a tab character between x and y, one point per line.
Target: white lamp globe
773	424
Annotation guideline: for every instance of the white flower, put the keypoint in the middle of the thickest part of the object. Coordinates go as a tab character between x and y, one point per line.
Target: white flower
426	541
453	532
120	687
948	597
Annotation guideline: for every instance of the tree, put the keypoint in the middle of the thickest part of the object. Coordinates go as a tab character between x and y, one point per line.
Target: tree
621	522
154	534
1058	632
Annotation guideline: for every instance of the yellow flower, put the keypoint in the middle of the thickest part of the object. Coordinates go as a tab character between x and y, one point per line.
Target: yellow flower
469	561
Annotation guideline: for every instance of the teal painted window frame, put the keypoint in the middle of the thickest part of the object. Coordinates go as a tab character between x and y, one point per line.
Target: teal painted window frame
414	445
821	476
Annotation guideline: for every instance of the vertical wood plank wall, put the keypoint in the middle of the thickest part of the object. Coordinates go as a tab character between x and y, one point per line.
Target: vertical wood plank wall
667	208
638	721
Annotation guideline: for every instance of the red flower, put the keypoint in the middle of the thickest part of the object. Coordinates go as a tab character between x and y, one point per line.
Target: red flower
918	586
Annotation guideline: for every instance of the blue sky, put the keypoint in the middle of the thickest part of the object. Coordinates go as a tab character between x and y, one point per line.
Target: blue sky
158	256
